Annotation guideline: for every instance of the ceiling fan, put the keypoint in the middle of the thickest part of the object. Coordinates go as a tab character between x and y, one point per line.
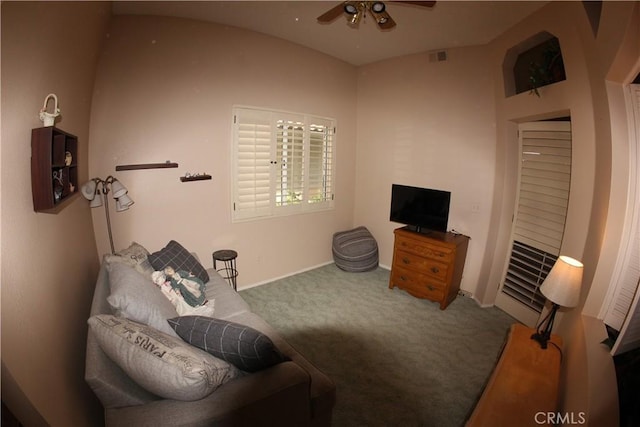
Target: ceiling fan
356	10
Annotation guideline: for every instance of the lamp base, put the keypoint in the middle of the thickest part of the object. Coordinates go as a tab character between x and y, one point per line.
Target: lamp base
543	336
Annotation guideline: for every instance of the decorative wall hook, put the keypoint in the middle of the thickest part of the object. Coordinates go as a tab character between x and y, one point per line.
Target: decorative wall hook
49	118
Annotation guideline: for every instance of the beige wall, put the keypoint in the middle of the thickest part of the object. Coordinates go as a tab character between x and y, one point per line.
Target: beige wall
165	91
423	123
588	375
428	124
49	262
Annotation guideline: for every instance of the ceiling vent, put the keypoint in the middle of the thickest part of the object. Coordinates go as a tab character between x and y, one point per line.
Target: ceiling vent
438	56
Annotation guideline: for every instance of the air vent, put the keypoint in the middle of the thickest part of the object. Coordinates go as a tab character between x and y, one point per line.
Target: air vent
438	56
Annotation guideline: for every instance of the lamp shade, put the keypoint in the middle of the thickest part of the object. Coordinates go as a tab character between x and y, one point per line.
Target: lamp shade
118	189
123	203
89	189
97	200
562	285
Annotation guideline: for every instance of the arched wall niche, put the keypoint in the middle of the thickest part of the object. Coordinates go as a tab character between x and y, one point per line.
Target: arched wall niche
533	63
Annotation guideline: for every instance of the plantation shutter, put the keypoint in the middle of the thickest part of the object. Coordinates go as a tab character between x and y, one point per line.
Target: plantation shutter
282	163
290	161
252	162
543	198
320	176
623	313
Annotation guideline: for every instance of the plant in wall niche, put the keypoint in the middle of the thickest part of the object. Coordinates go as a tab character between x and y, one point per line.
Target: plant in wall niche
547	68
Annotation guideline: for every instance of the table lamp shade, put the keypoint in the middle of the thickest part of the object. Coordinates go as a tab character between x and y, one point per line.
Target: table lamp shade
562	285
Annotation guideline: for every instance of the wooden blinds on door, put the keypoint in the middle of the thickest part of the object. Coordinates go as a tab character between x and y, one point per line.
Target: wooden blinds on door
539	219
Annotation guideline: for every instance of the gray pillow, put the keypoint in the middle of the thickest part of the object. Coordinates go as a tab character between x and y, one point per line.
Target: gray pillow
163	365
246	348
176	256
136	297
135	255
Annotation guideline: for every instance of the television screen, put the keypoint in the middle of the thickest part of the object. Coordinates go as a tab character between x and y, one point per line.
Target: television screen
422	208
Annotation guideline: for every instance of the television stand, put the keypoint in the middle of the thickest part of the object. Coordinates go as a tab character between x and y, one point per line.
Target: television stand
430	265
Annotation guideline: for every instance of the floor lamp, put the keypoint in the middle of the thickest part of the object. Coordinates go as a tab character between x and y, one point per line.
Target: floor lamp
562	288
96	190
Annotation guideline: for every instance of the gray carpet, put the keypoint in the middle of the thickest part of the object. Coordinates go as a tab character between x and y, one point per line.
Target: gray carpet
396	360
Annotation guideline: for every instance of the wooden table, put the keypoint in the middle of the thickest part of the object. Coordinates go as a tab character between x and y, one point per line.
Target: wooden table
523	387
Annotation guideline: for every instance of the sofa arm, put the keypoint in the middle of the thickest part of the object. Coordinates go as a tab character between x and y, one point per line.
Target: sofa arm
278	396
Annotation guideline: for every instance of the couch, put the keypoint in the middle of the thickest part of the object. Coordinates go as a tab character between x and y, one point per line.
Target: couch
290	393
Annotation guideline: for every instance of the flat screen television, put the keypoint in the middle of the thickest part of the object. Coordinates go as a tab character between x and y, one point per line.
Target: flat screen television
423	209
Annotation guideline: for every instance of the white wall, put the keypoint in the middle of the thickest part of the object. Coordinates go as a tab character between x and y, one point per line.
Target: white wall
428	124
164	91
49	262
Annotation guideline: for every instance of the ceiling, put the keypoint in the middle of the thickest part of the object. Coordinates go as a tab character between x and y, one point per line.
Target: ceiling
448	24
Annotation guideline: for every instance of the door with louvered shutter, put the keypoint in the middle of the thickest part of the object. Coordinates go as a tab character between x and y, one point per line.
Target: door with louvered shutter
623	311
539	217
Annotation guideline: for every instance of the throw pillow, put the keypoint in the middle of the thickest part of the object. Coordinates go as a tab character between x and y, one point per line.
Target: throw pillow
135	255
176	256
163	365
136	297
244	347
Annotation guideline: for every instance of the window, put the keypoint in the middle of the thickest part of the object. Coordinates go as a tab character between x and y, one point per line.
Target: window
283	163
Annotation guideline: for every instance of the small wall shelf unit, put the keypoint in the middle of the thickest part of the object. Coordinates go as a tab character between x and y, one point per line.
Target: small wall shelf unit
194	178
54	169
164	165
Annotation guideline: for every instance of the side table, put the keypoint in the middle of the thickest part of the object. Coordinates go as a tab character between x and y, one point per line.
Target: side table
524	385
229	271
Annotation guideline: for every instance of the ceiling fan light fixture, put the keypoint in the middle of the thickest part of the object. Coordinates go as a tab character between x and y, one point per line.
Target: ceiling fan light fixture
377	7
354	19
350	8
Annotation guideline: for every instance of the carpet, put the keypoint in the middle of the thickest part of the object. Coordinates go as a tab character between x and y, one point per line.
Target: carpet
396	360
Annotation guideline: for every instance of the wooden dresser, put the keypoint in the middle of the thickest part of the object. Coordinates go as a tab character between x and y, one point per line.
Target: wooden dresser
428	265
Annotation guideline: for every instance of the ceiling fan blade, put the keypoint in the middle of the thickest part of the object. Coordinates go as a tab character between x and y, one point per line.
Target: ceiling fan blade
418	3
387	22
331	14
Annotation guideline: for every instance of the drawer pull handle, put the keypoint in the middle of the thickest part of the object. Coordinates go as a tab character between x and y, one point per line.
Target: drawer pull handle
404	279
435	269
406	260
431	288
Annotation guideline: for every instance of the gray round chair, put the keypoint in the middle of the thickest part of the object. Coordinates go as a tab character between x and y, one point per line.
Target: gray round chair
355	250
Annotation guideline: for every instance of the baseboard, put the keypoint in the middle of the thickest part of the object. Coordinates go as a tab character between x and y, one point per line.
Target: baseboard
273	279
264	282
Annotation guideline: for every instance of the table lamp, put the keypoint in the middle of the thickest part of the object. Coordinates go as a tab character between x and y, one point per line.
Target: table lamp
562	288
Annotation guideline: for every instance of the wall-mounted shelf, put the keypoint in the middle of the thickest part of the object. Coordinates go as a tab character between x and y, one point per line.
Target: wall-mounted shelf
164	165
194	178
54	169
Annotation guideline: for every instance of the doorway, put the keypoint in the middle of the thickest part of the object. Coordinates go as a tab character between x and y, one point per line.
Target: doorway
542	199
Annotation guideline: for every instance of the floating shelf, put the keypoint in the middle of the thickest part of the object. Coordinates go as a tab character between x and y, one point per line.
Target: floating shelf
167	164
195	178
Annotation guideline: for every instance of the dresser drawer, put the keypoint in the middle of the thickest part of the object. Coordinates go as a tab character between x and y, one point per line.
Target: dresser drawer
418	284
424	249
421	264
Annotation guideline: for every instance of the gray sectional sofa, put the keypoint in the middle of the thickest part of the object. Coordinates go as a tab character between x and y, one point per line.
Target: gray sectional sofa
291	393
